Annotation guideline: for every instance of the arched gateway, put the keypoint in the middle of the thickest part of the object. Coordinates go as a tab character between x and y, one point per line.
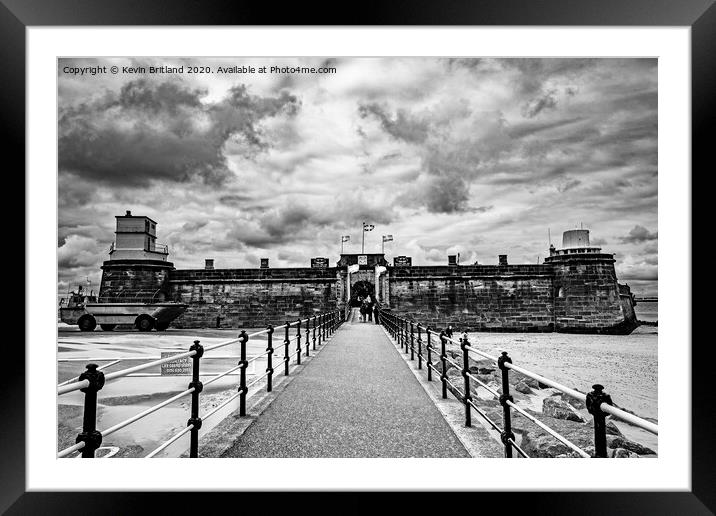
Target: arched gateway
359	290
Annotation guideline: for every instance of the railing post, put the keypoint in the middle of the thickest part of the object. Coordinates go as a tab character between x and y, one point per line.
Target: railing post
430	355
298	342
504	398
443	359
594	407
321	328
308	335
243	338
269	359
465	344
420	348
314	333
286	342
90	435
412	340
195	420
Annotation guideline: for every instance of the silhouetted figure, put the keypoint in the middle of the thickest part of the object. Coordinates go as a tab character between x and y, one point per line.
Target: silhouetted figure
448	331
376	310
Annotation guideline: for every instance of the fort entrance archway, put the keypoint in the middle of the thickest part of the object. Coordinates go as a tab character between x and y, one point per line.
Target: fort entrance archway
359	290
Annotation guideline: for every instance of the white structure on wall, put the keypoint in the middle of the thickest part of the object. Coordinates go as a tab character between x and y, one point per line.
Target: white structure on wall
135	238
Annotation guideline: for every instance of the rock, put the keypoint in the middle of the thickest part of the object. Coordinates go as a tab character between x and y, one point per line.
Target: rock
523	388
532	383
621	442
538	443
574	402
612	429
453	372
558	409
485	370
621	453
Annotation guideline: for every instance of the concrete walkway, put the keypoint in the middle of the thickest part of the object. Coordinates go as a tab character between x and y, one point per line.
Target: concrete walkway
356	398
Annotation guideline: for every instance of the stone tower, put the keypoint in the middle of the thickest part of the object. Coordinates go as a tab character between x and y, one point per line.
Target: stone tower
587	296
137	270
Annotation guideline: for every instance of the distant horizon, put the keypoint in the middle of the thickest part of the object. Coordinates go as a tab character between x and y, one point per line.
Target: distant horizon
470	156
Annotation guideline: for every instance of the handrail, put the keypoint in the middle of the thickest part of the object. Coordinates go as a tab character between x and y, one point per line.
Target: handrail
94	379
124	372
610	409
598	403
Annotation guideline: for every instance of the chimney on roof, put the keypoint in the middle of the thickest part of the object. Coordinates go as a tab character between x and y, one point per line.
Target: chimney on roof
503	259
264	263
209	264
129	214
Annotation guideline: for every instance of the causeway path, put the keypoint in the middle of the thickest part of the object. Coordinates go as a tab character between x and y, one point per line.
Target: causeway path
356	398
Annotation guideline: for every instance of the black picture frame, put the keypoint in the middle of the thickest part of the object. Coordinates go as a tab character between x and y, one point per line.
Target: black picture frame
700	15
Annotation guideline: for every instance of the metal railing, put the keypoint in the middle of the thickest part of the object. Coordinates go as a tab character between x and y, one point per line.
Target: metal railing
315	331
409	336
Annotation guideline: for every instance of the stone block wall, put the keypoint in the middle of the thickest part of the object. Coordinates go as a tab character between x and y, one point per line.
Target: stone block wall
568	293
476	298
587	295
136	281
245	298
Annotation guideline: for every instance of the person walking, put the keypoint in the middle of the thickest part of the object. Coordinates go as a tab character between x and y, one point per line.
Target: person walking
376	310
369	308
364	308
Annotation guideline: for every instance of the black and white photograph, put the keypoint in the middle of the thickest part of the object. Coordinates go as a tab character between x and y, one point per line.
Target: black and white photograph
357	257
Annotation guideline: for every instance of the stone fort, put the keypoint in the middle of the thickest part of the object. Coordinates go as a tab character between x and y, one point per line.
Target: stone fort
575	289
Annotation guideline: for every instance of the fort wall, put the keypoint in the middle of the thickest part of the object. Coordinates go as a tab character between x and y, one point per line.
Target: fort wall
567	293
252	297
588	298
476	298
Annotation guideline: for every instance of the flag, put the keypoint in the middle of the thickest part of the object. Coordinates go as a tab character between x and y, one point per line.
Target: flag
368	227
387	238
345	238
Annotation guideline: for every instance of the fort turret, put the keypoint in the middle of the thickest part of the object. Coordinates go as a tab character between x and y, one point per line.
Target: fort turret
137	269
587	295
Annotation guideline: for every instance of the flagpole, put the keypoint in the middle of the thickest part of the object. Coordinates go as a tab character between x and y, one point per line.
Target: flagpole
362	245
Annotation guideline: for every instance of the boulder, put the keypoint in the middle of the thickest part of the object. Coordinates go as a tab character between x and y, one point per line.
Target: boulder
576	403
538	443
615	442
532	383
523	388
482	366
621	453
558	409
612	429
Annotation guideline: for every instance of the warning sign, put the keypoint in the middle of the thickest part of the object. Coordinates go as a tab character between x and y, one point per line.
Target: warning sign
181	367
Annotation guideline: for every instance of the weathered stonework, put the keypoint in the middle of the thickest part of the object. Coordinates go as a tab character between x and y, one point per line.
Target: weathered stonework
476	298
138	281
252	297
567	293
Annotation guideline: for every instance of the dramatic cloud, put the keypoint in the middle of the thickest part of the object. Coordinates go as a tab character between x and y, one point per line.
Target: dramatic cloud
639	234
473	156
162	131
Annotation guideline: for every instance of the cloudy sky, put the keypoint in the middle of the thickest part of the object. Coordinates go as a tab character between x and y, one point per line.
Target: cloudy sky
476	156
